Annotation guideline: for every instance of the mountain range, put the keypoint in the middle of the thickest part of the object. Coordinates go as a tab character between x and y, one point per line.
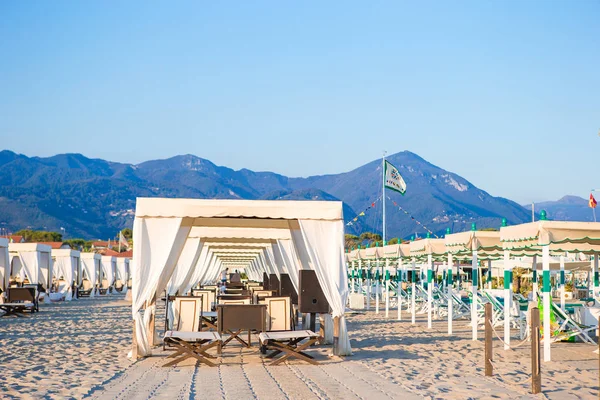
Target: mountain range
94	198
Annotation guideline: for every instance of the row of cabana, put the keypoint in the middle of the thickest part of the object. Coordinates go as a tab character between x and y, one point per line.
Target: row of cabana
40	264
543	239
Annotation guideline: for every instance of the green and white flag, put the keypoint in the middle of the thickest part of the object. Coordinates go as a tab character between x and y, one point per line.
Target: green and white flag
393	179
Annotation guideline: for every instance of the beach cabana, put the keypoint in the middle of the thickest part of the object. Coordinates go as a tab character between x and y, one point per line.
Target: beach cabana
553	237
162	228
4	265
32	261
66	266
90	270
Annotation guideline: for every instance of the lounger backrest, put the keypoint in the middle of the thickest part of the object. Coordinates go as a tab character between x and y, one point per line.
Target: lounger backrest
208	297
186	313
21	294
86	284
232	301
261	294
279	313
105	284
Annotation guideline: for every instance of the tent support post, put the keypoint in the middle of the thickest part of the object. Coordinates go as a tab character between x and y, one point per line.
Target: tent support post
429	290
134	346
336	335
546	299
450	296
474	284
413	291
562	282
507	299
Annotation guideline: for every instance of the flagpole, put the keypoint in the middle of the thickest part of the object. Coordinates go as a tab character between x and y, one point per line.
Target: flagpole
383	194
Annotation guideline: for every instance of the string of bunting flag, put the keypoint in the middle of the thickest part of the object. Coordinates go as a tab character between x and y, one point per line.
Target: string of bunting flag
362	213
413	218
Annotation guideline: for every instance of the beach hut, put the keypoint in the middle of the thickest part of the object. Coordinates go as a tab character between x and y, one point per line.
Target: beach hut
32	261
4	265
90	270
162	228
108	273
553	237
66	269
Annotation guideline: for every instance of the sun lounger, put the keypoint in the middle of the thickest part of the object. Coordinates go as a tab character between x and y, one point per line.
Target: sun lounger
568	327
104	287
185	336
28	296
279	337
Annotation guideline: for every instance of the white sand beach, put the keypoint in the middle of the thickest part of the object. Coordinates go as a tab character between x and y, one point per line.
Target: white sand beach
78	350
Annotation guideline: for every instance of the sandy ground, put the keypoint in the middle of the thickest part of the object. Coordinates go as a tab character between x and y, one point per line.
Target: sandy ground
78	349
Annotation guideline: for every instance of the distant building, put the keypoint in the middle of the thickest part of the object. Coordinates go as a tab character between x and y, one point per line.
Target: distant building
56	245
101	245
14	238
113	253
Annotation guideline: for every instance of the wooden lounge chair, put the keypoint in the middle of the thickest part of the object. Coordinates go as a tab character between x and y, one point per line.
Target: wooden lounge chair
208	298
20	300
236	318
280	338
184	336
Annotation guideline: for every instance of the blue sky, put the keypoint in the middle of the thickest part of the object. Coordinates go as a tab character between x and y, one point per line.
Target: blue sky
504	93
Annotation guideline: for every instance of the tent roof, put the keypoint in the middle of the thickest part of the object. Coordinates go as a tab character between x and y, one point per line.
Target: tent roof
109	258
43	248
202	208
65	253
424	247
86	255
561	236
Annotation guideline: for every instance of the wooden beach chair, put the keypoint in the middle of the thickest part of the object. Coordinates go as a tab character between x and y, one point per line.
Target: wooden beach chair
20	300
280	338
233	319
185	336
104	287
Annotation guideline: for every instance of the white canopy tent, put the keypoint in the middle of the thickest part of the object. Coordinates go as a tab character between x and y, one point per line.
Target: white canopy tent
90	269
108	270
67	266
163	229
32	260
4	265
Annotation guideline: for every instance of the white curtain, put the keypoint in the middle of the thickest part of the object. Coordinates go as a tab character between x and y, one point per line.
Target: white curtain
4	269
89	267
122	274
324	244
30	261
290	258
158	244
45	266
185	265
63	266
198	269
108	267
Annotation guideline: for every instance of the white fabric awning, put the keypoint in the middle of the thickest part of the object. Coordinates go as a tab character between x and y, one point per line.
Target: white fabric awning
561	236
